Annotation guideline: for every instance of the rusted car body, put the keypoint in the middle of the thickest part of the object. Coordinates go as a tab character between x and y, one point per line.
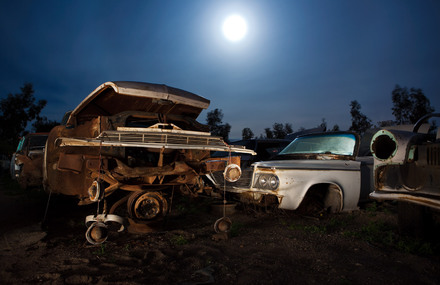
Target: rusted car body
27	161
407	167
139	138
315	172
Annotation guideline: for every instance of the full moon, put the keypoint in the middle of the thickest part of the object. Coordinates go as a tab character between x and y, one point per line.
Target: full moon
234	28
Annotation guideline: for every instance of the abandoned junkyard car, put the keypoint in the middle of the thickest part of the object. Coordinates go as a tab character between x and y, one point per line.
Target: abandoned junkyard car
317	172
407	169
27	161
140	138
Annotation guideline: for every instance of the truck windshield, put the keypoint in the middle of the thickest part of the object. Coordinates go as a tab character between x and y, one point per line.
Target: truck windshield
340	144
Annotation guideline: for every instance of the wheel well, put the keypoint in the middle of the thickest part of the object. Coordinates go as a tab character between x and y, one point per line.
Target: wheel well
322	197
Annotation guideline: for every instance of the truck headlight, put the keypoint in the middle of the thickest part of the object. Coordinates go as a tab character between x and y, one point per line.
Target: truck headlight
266	181
383	145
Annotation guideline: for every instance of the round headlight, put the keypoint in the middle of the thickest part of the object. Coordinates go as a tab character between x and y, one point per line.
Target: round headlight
273	182
267	181
262	181
232	173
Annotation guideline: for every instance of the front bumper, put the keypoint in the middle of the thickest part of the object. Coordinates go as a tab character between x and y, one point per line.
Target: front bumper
420	200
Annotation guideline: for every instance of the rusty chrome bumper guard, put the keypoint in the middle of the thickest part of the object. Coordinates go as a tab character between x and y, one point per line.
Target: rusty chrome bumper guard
97	227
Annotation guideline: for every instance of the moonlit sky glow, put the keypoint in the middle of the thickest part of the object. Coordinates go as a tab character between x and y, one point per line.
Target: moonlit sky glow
234	28
299	61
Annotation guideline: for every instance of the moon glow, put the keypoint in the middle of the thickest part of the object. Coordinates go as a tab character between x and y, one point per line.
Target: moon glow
234	28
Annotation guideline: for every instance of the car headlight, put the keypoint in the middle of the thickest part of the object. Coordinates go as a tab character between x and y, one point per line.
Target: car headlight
266	181
383	145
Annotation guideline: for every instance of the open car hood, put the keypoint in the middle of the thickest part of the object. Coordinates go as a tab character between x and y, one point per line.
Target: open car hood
112	98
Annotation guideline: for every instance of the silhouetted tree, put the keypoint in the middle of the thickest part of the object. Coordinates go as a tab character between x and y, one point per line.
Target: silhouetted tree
410	106
288	128
269	133
43	125
335	128
323	124
359	122
214	121
247	134
278	131
16	111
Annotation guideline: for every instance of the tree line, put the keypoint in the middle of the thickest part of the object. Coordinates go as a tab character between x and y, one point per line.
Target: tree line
409	105
16	112
19	110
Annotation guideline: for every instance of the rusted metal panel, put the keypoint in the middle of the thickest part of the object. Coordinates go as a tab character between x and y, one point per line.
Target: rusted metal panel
70	162
31	171
218	164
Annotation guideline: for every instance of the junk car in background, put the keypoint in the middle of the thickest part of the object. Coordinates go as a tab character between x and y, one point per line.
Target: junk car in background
138	138
27	162
407	170
315	172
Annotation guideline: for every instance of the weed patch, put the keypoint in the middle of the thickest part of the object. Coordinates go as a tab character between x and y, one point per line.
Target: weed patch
235	229
178	240
100	251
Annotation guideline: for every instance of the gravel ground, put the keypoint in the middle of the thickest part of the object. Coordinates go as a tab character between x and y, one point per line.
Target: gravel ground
362	247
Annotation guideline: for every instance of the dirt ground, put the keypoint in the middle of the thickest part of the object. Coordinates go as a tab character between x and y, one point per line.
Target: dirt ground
362	247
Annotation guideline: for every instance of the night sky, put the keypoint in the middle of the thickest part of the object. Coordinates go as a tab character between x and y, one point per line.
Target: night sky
300	61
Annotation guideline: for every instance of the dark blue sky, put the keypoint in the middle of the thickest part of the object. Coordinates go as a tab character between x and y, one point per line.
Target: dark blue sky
300	61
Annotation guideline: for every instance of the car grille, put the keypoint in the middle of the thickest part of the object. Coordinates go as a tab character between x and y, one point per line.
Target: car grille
160	138
433	155
244	181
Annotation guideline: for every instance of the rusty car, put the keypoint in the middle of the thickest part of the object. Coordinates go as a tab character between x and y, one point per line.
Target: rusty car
315	173
27	161
407	170
138	139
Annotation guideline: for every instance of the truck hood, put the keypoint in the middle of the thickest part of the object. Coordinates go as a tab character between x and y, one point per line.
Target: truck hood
112	98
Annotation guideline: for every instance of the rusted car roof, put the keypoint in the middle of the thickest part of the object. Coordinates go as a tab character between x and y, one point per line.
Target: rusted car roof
147	97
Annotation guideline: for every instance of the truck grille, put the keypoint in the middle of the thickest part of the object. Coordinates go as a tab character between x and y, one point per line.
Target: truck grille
160	138
433	155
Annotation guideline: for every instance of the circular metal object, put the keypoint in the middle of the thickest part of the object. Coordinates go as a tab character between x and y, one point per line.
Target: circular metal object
95	191
232	173
223	225
383	145
147	205
106	219
97	233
